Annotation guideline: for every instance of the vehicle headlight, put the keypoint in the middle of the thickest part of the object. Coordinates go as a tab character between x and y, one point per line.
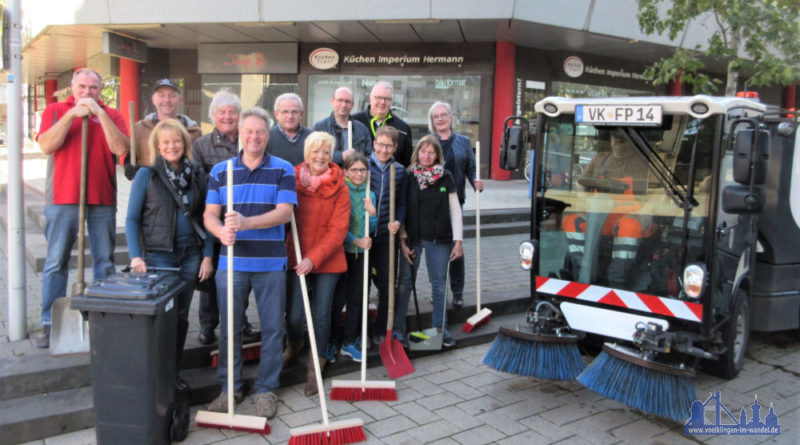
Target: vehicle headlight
694	279
526	251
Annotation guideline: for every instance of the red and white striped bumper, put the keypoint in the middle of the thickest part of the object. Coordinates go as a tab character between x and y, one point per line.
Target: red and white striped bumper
667	307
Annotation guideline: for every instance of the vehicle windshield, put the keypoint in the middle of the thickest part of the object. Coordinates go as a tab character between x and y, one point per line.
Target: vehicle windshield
610	218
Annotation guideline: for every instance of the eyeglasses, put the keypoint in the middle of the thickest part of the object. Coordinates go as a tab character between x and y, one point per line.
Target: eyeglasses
382	98
360	171
292	112
384	146
440	117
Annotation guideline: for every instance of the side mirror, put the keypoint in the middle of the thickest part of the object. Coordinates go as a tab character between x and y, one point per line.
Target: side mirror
739	199
750	145
512	148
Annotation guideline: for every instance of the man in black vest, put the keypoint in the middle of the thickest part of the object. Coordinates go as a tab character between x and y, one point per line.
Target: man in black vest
379	114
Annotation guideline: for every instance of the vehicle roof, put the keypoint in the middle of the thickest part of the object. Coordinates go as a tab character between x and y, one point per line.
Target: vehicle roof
669	104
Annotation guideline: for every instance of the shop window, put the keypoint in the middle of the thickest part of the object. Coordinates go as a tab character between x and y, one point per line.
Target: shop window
253	90
413	97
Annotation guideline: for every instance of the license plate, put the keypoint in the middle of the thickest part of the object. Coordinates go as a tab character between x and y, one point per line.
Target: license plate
644	115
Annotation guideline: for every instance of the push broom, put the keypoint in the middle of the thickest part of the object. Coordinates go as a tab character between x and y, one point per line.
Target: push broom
343	431
538	349
482	316
229	420
354	390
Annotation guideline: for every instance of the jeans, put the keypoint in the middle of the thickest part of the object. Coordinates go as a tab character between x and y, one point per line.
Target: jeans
457	276
350	292
320	287
61	231
188	259
270	291
437	257
208	313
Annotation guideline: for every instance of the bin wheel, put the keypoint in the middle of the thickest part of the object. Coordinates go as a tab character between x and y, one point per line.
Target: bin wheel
179	428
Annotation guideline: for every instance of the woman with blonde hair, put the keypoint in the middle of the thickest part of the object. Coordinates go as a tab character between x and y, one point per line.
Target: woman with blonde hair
323	217
164	225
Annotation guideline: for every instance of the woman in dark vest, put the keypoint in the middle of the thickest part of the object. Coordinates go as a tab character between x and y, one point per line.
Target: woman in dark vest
164	226
432	225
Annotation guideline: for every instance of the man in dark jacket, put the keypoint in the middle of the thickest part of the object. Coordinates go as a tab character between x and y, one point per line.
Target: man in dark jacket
379	114
209	150
336	125
287	138
166	100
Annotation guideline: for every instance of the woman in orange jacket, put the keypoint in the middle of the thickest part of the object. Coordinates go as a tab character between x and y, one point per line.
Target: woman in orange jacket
323	217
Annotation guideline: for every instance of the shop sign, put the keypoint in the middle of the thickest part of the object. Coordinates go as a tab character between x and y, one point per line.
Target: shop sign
614	73
323	58
247	58
121	46
573	66
402	60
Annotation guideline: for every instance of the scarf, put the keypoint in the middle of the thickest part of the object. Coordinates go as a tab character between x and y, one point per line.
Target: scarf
427	176
310	182
181	179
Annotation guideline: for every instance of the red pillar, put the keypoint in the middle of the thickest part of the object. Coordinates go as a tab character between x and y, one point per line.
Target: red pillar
503	103
128	87
50	87
675	86
789	97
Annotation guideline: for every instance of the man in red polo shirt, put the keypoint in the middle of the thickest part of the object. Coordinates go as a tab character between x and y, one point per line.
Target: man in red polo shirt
60	137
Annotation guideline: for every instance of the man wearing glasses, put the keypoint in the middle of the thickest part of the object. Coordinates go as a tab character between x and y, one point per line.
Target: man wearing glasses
336	125
286	139
379	114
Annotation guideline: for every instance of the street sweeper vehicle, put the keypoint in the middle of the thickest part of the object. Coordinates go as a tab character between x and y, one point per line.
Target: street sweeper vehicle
663	228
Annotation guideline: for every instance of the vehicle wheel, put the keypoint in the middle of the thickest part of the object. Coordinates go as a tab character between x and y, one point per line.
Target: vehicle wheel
735	335
179	428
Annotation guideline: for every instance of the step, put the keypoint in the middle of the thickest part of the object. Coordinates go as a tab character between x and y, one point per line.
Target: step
43	415
491	216
53	413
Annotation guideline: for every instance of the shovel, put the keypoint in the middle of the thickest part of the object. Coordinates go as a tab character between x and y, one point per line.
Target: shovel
393	356
70	332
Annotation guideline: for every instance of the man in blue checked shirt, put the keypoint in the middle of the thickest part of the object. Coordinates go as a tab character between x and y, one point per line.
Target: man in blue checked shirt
263	201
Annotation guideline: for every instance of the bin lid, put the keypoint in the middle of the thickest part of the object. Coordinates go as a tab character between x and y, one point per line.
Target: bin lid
129	293
133	286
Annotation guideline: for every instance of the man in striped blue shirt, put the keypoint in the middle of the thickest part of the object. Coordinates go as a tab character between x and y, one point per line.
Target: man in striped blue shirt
263	201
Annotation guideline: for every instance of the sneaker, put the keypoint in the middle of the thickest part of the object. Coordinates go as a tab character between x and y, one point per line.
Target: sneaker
206	336
44	340
182	385
352	351
330	352
458	301
220	404
449	342
266	404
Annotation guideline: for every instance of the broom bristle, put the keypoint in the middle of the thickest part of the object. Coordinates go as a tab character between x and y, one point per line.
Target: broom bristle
347	431
250	352
481	318
543	360
355	394
645	389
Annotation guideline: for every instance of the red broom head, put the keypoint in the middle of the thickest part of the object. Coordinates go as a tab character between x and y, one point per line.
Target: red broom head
467	328
337	436
354	394
214	361
251	353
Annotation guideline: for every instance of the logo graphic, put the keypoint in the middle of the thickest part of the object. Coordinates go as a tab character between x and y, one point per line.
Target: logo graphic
729	424
323	58
573	66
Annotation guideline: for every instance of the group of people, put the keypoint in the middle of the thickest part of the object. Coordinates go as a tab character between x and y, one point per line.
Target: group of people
177	215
